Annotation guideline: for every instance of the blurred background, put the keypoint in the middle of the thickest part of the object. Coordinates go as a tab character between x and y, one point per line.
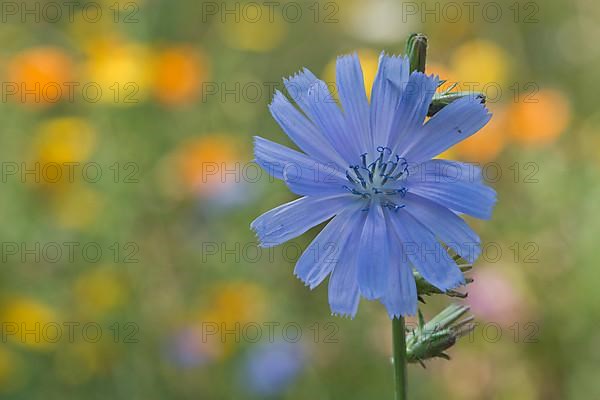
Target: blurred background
128	267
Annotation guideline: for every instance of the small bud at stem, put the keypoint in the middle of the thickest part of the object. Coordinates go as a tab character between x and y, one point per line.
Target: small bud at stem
416	50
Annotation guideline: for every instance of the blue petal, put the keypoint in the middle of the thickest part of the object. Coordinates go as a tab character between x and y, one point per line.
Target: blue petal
293	219
401	296
390	82
411	112
352	94
343	292
274	157
428	256
315	99
445	225
439	170
373	254
315	179
453	124
302	132
326	250
475	199
303	175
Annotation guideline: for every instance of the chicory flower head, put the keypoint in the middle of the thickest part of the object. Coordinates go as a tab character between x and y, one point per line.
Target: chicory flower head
368	167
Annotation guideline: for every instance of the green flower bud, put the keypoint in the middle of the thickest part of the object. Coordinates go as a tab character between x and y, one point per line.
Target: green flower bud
416	50
432	339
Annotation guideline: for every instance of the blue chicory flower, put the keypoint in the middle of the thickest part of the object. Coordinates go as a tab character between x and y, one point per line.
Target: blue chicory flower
370	169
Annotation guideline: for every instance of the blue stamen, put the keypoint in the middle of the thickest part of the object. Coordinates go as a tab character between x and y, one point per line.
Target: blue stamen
349	177
382	149
359	176
381	167
363	157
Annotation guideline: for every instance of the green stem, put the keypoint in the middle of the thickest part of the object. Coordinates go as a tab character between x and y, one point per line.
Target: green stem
399	341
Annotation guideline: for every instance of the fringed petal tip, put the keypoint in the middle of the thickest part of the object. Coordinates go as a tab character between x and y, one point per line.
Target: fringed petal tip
258	226
402	314
257	234
257	141
300	73
277	96
402	57
349	316
306	282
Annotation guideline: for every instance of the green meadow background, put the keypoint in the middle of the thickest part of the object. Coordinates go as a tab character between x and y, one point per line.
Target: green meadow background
128	268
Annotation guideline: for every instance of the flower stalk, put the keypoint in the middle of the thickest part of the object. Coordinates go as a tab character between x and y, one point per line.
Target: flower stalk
400	372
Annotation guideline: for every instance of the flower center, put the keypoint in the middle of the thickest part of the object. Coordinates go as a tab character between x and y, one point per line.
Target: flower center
380	179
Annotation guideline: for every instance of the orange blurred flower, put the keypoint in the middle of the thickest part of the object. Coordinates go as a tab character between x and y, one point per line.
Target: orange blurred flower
540	120
201	166
486	144
233	307
178	74
443	72
37	76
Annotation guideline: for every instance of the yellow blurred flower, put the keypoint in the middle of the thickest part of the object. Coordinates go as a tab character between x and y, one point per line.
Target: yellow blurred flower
121	69
100	290
486	144
30	323
541	119
37	76
369	61
236	302
178	74
77	207
258	29
479	63
59	148
64	140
